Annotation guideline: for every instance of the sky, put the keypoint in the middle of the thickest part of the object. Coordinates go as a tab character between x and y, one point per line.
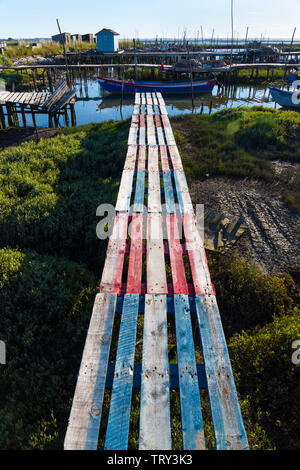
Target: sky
162	18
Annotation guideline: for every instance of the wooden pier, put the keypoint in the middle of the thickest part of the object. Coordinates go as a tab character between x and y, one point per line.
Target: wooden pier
33	103
154	201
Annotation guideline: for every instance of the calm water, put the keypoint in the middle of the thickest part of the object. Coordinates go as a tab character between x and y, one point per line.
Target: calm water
95	105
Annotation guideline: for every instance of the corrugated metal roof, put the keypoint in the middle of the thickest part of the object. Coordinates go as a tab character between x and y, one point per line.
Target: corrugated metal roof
109	30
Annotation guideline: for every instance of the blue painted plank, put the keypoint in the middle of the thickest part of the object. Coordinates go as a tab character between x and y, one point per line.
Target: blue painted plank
155	429
224	404
139	192
120	405
183	195
85	416
191	416
169	193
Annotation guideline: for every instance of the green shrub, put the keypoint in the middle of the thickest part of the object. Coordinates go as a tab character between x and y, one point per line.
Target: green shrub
247	297
45	305
268	382
49	192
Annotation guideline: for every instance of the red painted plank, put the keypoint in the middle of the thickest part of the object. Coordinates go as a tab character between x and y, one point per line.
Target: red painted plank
112	273
134	278
142	158
130	157
164	158
176	256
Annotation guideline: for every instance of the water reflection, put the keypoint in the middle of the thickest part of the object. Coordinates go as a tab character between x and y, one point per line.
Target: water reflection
95	105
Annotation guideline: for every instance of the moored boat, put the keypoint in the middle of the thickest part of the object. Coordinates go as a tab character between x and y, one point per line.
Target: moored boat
289	99
293	76
176	87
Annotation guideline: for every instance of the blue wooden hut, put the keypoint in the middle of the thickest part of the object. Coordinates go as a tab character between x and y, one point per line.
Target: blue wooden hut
107	40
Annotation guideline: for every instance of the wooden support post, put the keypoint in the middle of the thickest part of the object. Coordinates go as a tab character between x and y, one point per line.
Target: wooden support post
33	78
33	116
2	117
73	115
50	122
66	116
23	116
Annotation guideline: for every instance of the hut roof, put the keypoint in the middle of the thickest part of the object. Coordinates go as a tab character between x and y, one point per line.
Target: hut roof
109	30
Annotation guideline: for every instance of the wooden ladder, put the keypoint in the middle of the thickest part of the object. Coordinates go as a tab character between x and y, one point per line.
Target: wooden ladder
153	174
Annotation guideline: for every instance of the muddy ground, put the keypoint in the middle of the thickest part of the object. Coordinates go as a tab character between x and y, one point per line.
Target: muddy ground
11	137
273	231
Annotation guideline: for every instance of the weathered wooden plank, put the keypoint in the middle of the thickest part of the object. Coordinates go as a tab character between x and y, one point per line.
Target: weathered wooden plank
143	99
183	195
226	414
138	205
154	99
137	99
133	131
168	130
120	405
142	158
159	130
150	130
112	272
125	190
191	416
196	252
175	158
155	431
134	277
136	109
176	255
164	158
153	158
131	157
84	421
169	193
149	99
142	131
156	270
154	192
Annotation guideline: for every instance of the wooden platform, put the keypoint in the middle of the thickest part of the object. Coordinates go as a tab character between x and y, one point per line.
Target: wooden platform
153	181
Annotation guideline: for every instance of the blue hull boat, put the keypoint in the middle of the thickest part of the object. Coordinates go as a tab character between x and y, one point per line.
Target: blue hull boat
179	87
289	99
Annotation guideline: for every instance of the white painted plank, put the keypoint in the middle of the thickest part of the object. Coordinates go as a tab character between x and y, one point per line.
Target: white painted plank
155	431
156	270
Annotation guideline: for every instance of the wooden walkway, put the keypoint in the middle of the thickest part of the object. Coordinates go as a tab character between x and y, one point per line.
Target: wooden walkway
153	178
36	103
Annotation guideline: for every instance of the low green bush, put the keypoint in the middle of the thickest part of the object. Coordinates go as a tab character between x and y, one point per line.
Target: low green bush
268	382
45	306
49	192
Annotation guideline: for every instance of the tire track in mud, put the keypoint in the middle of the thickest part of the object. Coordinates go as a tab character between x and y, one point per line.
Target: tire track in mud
274	230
